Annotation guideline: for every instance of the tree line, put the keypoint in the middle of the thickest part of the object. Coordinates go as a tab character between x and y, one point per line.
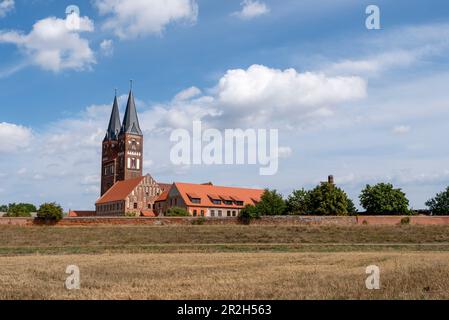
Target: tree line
49	211
328	199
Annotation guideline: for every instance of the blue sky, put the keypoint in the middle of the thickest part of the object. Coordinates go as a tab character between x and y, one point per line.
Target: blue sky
376	108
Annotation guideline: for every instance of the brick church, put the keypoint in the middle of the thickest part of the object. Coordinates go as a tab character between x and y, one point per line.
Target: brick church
126	191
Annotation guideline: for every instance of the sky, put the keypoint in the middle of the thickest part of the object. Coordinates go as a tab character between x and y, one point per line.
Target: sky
366	106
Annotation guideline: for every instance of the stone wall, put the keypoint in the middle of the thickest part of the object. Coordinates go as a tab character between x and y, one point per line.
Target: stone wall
268	220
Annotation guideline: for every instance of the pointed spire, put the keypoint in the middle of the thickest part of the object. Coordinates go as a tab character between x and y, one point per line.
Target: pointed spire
131	121
114	122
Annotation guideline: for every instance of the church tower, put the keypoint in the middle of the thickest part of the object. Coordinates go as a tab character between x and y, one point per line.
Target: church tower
110	149
130	144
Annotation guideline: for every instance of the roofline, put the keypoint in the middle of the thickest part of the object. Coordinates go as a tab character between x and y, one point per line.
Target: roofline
98	201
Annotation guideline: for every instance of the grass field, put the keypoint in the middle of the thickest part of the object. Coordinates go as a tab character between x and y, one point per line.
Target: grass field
224	262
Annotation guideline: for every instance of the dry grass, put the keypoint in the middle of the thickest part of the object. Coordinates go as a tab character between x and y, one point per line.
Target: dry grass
135	239
224	262
407	275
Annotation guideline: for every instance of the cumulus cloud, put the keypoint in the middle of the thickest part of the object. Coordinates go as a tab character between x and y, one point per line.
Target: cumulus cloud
251	9
5	7
14	137
52	46
131	19
261	96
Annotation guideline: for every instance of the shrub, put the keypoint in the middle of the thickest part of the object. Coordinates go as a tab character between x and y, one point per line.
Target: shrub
198	222
405	220
131	214
384	199
271	204
440	204
248	213
177	212
50	211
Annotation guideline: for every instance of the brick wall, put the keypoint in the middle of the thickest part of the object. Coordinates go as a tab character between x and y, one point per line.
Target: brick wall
269	220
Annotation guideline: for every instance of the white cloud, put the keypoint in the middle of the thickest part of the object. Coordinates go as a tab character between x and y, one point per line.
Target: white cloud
52	46
5	7
252	9
14	137
402	47
187	94
401	129
373	65
107	47
131	19
259	97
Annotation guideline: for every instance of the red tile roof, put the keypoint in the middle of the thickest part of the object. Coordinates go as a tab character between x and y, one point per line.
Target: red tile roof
148	213
165	186
163	196
120	190
79	213
187	190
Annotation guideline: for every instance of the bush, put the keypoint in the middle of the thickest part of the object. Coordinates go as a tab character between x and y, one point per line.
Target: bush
199	222
405	221
271	204
50	211
248	213
17	214
384	199
440	204
177	212
131	214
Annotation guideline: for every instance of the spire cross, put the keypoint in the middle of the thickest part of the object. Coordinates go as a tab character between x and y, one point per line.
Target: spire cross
131	84
115	91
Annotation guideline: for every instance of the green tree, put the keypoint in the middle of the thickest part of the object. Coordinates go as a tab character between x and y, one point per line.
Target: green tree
50	211
440	204
327	199
248	213
298	202
3	208
20	210
271	203
177	212
352	210
383	198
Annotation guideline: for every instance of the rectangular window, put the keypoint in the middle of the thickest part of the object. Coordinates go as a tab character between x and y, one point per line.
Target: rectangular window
138	164
228	202
129	163
234	213
135	205
202	213
196	200
219	213
215	201
212	213
239	203
228	213
149	206
194	213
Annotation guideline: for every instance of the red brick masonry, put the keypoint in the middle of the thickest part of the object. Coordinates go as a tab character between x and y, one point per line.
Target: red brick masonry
269	220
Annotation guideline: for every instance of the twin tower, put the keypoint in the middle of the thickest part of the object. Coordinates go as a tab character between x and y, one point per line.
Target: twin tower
122	152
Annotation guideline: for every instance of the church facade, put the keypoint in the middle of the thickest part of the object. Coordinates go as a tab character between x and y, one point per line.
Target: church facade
125	191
